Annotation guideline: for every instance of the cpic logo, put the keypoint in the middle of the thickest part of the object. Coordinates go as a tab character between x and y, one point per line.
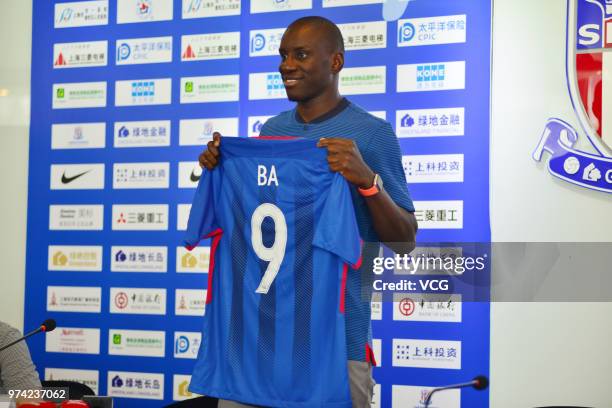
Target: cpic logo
406	32
123	52
258	42
182	345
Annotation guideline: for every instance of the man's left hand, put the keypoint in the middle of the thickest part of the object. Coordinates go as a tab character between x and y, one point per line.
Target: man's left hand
344	157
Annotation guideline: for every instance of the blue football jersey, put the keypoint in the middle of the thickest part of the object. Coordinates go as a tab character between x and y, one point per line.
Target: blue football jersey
283	233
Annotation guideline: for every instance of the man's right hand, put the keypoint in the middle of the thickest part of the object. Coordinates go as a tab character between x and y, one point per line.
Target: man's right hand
210	157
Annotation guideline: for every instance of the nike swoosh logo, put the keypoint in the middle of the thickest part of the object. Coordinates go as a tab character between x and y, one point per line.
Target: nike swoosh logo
194	178
66	180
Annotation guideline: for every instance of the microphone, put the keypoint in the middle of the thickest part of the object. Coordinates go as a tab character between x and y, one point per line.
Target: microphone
46	326
480	383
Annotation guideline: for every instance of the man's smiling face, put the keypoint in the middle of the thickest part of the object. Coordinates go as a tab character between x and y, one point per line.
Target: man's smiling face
308	65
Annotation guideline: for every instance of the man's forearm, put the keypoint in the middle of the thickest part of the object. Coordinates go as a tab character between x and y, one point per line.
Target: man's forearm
395	226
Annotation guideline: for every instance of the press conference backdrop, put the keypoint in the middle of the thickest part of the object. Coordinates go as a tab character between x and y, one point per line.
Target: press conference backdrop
124	95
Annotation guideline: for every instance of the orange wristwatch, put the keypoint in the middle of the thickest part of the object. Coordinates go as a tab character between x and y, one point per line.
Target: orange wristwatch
376	188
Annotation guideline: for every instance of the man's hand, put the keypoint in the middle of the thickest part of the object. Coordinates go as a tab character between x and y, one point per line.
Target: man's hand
344	157
210	157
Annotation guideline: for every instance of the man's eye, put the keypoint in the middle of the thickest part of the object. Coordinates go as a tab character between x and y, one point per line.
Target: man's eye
301	55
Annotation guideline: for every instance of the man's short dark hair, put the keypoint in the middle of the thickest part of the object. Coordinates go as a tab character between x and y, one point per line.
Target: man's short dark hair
332	32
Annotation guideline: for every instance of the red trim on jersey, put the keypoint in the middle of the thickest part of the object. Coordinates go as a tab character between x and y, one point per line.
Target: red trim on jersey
343	287
274	137
370	355
360	260
216	236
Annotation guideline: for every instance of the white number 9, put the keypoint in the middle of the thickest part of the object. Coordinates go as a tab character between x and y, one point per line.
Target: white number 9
275	254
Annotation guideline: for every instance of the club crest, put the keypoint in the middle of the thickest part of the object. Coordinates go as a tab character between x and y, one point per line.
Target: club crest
589	81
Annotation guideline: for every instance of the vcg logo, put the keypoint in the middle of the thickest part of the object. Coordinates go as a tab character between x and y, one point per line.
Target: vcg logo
589	40
258	43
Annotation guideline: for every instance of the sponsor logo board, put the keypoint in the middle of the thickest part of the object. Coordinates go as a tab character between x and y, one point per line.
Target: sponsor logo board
187	344
80	54
81	14
363	80
77	176
124	384
444	214
151	133
195	261
142	11
78	135
267	6
421	353
364	35
151	217
75	258
189	174
202	9
414	396
434	76
202	47
430	122
195	132
143	343
79	95
138	301
431	30
84	299
434	168
182	216
427	307
76	217
143	50
143	92
265	42
73	340
139	258
87	377
190	302
141	175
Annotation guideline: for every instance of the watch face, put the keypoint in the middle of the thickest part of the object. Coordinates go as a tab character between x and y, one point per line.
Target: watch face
378	181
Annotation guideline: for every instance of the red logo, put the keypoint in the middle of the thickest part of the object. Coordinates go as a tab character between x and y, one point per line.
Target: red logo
188	54
121	300
60	60
406	306
121	219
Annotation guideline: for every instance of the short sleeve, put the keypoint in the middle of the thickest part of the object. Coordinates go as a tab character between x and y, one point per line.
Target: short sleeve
336	230
384	157
202	217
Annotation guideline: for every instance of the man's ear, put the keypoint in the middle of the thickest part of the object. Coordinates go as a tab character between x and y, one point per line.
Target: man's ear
337	62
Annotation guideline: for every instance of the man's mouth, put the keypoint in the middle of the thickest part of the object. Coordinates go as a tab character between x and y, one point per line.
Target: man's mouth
289	82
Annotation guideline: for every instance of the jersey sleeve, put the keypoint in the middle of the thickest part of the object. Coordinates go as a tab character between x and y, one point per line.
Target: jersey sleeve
385	158
337	230
202	217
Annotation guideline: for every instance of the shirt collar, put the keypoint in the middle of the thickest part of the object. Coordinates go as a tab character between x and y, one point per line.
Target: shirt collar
327	115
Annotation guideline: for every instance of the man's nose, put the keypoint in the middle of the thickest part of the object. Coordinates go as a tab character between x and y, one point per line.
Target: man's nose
287	65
